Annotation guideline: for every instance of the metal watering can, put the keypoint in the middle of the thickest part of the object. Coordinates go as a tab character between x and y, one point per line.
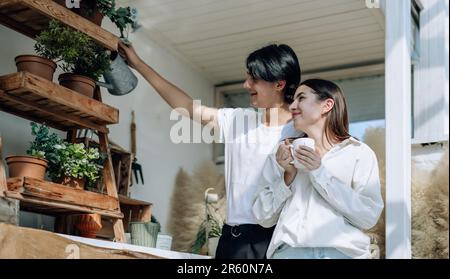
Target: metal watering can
120	80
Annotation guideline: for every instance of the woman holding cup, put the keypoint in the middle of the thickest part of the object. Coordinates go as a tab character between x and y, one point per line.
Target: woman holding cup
327	188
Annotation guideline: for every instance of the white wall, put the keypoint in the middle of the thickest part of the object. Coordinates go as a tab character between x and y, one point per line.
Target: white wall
160	158
431	80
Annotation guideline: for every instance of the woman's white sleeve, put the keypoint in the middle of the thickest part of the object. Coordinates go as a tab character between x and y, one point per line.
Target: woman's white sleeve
271	195
360	203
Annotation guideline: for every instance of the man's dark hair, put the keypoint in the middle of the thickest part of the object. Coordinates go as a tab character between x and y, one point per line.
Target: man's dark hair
274	63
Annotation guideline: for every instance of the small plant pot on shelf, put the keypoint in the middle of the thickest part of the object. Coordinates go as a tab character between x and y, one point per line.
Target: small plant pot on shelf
87	9
96	18
73	182
88	224
36	65
80	84
26	166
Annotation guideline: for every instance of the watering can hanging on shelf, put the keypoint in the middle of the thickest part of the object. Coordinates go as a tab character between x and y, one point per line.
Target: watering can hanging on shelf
120	80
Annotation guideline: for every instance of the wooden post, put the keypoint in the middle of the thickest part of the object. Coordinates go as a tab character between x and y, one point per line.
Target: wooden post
398	129
108	175
3	185
110	183
71	135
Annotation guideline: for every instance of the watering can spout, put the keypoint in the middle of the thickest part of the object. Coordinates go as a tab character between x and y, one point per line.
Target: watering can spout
120	80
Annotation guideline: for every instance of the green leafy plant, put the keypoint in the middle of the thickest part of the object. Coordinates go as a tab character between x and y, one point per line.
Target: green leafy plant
106	7
78	162
122	17
208	229
44	145
77	53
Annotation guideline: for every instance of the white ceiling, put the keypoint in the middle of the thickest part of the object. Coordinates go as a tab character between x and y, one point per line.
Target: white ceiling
215	36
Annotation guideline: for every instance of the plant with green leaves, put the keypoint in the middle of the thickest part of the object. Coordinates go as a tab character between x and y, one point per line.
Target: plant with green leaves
44	146
208	229
76	51
79	162
122	17
106	7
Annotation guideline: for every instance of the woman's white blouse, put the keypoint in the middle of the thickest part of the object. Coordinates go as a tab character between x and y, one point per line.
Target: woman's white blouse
326	207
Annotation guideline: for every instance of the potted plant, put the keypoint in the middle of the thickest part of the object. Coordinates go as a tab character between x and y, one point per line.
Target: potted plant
77	165
209	234
88	9
83	60
42	154
42	64
124	18
95	10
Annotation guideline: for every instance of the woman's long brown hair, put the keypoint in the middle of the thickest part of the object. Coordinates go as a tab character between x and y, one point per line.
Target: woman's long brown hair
336	124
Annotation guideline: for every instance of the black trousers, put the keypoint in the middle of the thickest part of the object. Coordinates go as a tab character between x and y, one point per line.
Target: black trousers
247	241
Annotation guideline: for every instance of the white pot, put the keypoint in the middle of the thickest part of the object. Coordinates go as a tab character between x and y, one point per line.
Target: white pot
212	246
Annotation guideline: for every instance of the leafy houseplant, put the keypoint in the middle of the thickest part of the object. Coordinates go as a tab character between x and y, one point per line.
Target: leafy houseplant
42	153
43	145
78	54
122	17
209	229
41	65
78	164
94	10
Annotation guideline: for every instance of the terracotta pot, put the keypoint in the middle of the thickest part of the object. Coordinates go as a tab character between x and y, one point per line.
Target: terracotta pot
36	65
88	224
20	166
96	17
73	182
80	84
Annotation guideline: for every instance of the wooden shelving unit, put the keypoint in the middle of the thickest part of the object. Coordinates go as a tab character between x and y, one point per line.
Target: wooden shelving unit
39	100
34	98
29	17
31	97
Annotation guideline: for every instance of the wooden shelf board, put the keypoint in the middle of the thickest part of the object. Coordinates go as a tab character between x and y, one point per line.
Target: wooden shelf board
37	99
129	201
29	17
51	198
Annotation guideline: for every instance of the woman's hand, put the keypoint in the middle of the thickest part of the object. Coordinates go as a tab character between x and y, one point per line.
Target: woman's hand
284	157
129	54
308	157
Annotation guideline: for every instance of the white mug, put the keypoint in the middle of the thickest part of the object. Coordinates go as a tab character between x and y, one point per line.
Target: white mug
298	142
